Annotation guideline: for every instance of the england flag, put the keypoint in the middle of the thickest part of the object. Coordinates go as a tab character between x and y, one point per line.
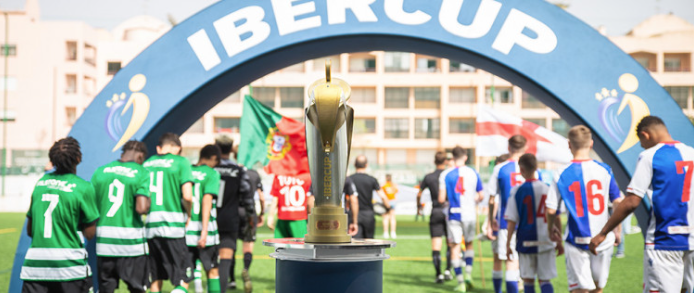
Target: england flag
494	128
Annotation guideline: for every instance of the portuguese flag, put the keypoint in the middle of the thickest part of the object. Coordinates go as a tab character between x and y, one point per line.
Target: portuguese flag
275	141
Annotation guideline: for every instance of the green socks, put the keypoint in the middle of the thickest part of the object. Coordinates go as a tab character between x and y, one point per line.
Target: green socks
213	285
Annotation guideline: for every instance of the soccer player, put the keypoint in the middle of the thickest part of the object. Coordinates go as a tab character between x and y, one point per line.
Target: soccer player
504	177
462	187
391	190
437	219
61	205
664	174
366	185
201	233
122	196
171	191
582	186
292	201
235	187
351	203
526	206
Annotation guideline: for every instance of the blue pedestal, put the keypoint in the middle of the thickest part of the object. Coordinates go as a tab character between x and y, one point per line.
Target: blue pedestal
335	277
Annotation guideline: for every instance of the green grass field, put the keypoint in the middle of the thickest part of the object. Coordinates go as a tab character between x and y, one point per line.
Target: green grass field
408	270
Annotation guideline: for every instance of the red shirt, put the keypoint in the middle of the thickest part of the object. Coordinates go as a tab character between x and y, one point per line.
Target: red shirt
291	196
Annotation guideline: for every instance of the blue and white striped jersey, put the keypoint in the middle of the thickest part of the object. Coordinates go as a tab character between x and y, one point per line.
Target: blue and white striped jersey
462	185
526	207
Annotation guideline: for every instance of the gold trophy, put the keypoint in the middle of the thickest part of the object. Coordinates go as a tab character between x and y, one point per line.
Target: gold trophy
328	139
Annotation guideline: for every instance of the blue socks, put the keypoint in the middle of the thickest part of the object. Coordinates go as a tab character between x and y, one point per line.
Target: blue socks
512	281
546	287
529	287
497	279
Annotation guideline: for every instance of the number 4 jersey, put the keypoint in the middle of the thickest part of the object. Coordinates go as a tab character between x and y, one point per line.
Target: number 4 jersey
60	206
168	173
206	181
666	169
585	188
120	231
291	196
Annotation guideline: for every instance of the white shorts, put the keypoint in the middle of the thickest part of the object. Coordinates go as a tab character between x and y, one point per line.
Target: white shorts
459	231
543	265
584	269
499	245
668	270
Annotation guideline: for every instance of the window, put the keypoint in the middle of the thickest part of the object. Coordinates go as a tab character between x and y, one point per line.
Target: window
677	62
501	95
427	128
647	60
461	125
70	115
71	51
265	95
197	127
319	63
397	97
9	50
362	62
397	62
461	95
427	64
427	97
113	67
396	157
89	85
530	102
365	95
89	54
364	125
233	98
680	94
71	84
539	121
460	67
560	126
292	97
396	128
226	125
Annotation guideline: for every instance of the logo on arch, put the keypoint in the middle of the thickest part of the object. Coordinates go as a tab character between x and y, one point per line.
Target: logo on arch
613	102
118	107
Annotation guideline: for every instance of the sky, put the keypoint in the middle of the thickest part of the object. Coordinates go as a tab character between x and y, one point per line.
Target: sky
618	16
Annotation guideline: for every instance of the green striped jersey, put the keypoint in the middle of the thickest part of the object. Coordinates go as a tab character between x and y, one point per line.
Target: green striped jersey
120	231
168	173
206	181
60	206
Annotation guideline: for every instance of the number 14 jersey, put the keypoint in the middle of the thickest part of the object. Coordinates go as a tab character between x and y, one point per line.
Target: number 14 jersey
585	187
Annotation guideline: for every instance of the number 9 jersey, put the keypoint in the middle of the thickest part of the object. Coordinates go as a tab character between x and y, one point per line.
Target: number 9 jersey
585	186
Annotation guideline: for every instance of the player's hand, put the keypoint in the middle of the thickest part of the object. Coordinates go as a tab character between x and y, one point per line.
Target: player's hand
271	225
353	228
261	221
556	235
251	221
617	239
490	233
420	210
495	225
203	240
509	252
559	249
595	242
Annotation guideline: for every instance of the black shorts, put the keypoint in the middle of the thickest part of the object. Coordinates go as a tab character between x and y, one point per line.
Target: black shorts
246	230
437	222
228	240
366	225
169	260
134	271
208	256
76	286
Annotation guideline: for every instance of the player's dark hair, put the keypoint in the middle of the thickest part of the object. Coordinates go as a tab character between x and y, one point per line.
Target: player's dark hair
210	150
580	137
225	144
517	143
134	145
528	162
65	154
360	162
648	122
458	152
439	158
169	138
501	159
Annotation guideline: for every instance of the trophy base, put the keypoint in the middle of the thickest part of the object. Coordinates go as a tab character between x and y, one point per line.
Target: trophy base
327	224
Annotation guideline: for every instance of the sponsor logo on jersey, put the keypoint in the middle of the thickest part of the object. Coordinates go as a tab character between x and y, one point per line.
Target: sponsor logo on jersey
198	175
278	144
118	107
57	184
160	163
613	103
120	170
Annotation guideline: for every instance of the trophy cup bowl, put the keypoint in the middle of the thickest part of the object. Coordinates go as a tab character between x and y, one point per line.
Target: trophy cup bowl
328	139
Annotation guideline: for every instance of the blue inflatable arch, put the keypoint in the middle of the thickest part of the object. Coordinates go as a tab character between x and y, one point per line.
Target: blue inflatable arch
531	43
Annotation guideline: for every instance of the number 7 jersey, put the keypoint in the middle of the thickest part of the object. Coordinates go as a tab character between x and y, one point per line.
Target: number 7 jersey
584	186
666	169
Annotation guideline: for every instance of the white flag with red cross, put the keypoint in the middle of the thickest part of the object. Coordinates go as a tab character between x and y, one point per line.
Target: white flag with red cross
494	128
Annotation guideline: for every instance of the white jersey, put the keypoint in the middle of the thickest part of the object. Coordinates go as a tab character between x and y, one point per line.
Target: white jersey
526	207
462	185
666	169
